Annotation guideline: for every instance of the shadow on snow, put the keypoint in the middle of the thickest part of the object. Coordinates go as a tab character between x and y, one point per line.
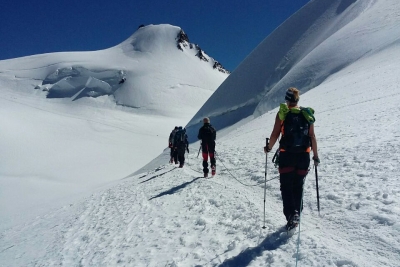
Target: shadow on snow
175	189
271	242
155	176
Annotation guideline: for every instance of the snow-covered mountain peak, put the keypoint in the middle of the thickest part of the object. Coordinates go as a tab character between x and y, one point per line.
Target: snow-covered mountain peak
156	71
152	39
165	39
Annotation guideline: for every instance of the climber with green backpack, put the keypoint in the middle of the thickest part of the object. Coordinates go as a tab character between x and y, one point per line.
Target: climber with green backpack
296	125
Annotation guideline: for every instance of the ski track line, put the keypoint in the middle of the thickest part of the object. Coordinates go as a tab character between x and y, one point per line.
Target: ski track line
106	230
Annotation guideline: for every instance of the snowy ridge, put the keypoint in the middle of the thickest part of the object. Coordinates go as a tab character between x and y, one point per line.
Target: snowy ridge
314	43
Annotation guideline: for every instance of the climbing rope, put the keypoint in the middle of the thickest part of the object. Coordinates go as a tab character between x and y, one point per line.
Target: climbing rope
233	176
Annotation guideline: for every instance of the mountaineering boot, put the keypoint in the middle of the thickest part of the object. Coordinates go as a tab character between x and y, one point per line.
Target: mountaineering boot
293	222
181	165
205	175
296	218
213	170
291	225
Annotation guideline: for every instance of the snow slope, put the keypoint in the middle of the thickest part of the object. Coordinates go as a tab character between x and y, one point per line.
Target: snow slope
172	217
165	216
70	125
317	41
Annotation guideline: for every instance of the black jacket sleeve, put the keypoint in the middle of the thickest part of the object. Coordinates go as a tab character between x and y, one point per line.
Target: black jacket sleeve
200	136
214	134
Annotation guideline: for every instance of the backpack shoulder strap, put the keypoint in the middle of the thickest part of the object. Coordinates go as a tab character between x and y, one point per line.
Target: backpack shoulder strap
308	114
283	111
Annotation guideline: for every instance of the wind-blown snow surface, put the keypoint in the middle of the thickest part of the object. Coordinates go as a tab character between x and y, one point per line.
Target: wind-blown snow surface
172	217
317	41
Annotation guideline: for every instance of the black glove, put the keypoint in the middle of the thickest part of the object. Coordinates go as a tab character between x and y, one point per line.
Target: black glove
187	149
267	149
316	160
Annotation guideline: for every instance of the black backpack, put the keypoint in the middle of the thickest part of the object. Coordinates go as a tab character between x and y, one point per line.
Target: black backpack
295	133
208	133
172	137
179	137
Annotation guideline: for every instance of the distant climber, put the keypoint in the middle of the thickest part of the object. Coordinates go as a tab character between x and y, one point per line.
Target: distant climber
207	135
173	153
181	145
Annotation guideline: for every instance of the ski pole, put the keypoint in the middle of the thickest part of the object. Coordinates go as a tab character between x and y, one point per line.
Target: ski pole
316	181
265	183
199	151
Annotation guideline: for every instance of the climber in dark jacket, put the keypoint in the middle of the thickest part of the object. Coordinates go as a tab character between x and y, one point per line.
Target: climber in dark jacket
207	135
181	145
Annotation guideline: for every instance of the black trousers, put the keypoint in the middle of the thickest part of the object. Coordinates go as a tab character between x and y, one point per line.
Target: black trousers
293	168
208	149
174	155
180	154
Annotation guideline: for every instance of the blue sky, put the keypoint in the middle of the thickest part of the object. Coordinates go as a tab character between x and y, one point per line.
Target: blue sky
226	30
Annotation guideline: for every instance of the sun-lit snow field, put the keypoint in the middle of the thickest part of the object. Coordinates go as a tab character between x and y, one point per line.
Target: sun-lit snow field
83	183
172	217
59	142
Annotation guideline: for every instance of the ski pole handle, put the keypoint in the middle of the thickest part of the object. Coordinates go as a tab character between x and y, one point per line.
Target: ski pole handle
266	148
